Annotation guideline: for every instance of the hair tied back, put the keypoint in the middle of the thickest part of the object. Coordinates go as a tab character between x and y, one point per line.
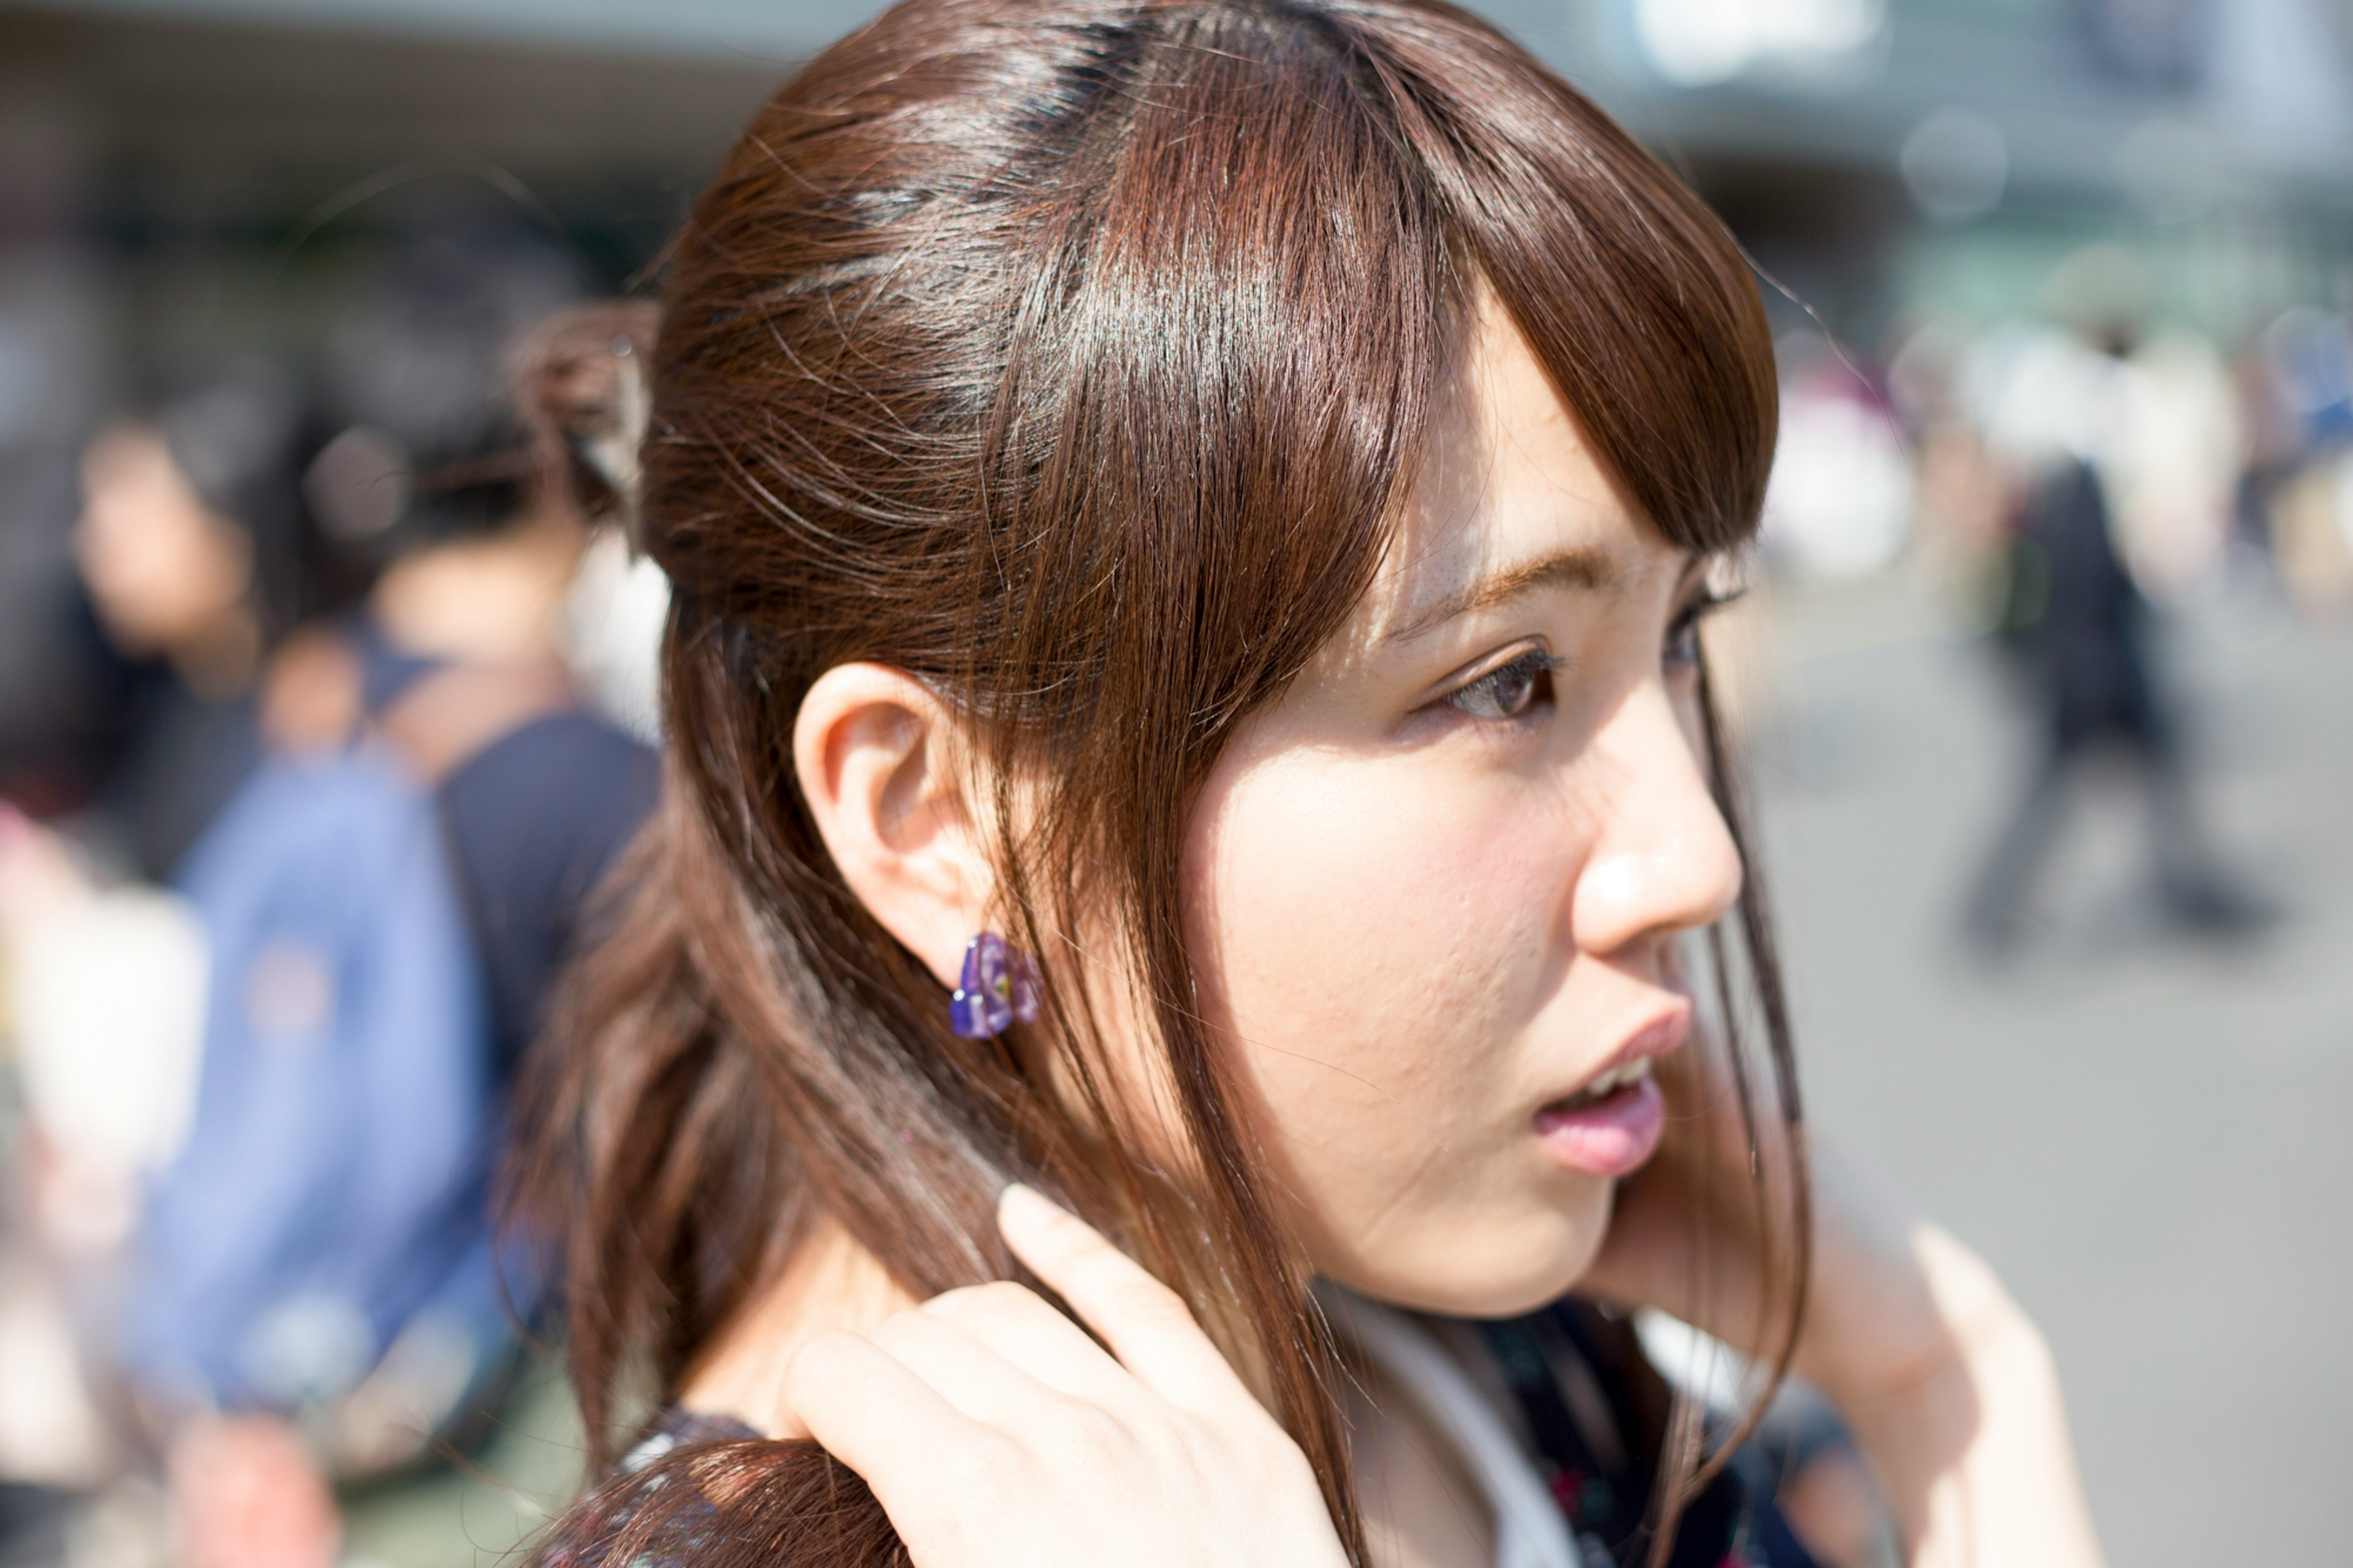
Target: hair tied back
582	379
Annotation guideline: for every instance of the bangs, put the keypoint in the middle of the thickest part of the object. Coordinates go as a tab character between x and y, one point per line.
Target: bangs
1287	212
1631	294
1254	275
1248	295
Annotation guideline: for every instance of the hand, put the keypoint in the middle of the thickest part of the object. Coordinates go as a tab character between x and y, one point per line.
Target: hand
994	1433
39	873
1945	1384
245	1493
1692	1231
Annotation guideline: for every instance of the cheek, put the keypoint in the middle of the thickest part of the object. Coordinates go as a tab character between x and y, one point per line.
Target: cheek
1377	943
1361	926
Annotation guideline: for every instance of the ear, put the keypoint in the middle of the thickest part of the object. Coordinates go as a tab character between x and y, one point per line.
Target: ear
877	756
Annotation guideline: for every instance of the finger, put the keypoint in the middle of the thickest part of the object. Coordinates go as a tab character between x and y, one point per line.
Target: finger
1147	1324
875	1414
972	1373
1020	1326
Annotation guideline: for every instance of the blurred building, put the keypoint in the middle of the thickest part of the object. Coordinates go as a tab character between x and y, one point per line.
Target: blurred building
1879	149
208	164
183	178
1896	154
1874	153
179	178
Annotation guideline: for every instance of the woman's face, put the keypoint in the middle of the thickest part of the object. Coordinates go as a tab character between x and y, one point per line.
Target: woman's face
1434	893
163	571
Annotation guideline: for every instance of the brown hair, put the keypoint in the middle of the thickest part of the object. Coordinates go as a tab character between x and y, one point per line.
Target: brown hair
1073	356
579	380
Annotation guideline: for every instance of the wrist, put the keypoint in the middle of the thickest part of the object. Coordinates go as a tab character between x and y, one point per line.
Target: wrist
1967	1434
1917	1338
1930	1414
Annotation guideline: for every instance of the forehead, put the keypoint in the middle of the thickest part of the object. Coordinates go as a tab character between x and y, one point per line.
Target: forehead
1508	483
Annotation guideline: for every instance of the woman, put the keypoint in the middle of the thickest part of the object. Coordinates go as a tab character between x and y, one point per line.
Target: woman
187	545
1215	497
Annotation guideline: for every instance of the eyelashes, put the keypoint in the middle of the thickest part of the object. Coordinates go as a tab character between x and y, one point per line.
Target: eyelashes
1683	636
1519	685
1510	689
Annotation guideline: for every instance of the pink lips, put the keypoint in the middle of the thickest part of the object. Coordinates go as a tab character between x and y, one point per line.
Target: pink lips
1612	1137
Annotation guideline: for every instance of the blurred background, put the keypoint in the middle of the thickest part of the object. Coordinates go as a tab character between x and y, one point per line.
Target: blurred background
2044	675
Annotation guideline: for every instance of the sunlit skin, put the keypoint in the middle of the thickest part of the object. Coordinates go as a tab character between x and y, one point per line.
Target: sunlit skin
1439	885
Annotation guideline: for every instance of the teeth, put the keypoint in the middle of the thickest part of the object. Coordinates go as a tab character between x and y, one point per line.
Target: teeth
1618	1078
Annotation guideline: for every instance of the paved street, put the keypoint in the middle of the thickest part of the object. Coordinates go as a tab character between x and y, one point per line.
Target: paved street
2147	1137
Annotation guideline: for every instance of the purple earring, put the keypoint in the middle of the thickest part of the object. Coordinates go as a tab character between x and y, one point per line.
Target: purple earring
999	986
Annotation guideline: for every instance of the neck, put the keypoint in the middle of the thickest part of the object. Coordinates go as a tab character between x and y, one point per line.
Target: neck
217	660
832	1282
481	601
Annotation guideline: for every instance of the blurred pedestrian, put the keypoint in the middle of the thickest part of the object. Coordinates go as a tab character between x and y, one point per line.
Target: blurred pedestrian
2072	418
189	554
386	905
189	547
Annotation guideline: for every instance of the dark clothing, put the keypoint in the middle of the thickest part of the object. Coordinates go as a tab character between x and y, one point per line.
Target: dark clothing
2079	620
684	1429
1732	1523
532	819
535	819
2078	627
35	1525
182	758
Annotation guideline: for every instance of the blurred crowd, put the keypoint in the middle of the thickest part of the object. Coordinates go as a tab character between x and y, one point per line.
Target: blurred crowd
2215	459
279	913
280	909
2063	484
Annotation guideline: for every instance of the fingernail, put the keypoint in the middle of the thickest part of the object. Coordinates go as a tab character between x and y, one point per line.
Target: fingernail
1023	1207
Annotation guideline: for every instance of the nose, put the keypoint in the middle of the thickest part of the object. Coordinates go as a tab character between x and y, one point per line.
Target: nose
1664	861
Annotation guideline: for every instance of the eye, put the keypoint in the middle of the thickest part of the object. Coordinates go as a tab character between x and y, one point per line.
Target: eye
1683	640
1508	690
1682	651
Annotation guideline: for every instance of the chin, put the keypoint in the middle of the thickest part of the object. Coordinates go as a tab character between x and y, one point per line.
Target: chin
1484	1270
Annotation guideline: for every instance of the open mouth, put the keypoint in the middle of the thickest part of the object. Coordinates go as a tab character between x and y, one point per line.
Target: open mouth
1609	1128
1616	1081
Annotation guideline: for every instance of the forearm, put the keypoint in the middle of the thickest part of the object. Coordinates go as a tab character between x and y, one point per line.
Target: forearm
1970	1446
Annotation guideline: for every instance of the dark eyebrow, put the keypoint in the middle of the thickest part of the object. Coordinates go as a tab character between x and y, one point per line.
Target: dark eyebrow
1579	566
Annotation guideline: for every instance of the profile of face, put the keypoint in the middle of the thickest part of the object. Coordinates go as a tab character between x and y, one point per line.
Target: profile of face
1434	893
162	568
1435	890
